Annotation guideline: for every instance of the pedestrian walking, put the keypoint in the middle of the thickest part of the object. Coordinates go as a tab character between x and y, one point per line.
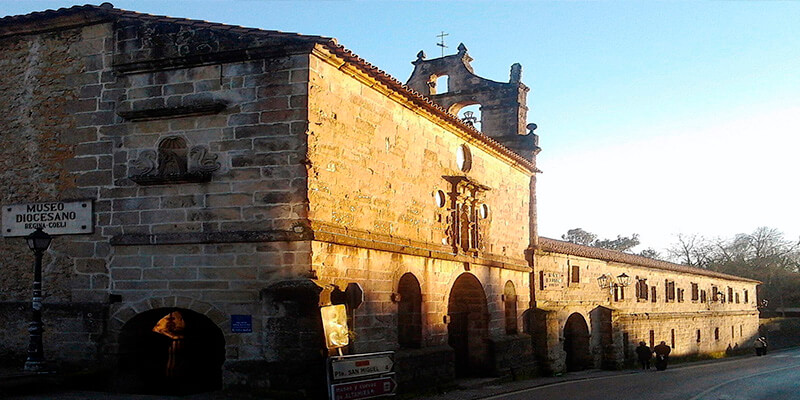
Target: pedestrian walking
662	355
760	345
645	353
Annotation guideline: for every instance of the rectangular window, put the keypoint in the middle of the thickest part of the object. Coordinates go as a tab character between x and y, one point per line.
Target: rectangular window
716	333
641	289
733	332
714	294
669	290
730	294
703	296
652	338
695	292
575	277
672	338
619	292
541	280
746	300
737	298
653	294
698	336
680	295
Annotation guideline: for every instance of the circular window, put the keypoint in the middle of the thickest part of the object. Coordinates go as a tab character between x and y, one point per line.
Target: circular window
464	158
483	211
440	198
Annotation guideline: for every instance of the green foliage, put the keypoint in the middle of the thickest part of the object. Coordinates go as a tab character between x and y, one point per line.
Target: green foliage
582	237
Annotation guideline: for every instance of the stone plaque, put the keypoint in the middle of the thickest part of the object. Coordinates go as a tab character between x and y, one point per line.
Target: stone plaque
55	218
553	279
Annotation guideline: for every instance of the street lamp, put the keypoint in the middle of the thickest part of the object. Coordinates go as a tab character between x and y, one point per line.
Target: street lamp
607	281
38	241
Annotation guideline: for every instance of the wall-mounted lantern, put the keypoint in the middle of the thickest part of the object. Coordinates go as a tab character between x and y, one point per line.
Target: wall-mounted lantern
606	281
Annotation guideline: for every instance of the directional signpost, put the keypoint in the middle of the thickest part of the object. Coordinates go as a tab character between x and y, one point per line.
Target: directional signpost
382	386
362	376
358	366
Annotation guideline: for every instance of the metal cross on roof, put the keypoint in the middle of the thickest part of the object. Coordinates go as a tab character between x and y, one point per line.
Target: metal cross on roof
441	42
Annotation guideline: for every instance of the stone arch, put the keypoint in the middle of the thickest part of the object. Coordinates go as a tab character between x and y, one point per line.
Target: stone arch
409	311
120	317
576	343
510	303
185	355
468	328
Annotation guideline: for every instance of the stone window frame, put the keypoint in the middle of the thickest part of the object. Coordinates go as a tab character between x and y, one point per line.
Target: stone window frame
746	297
619	292
716	333
695	292
730	294
703	296
698	336
653	294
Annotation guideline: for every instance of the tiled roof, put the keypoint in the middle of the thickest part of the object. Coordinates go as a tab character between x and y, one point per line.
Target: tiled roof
560	246
107	11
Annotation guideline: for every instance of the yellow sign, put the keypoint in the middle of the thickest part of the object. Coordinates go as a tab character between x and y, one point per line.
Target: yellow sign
334	322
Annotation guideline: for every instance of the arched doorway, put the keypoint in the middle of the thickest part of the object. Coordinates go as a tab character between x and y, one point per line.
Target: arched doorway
409	312
576	343
468	329
170	351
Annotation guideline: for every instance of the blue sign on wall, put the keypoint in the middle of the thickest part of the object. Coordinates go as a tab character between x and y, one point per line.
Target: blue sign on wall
241	323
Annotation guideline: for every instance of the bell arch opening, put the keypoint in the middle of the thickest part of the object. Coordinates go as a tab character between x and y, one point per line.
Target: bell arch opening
170	351
576	343
468	329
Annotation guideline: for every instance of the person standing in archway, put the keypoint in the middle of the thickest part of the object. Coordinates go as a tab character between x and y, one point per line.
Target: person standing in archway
662	355
645	353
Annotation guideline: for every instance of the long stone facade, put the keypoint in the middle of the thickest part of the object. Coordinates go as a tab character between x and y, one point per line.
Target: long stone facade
242	178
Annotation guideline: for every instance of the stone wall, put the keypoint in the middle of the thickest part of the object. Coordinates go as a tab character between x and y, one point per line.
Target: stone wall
377	164
84	129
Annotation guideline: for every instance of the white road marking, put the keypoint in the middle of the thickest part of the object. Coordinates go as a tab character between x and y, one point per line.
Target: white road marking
700	396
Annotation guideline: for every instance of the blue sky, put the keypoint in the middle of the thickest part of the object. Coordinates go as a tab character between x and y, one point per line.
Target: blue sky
655	117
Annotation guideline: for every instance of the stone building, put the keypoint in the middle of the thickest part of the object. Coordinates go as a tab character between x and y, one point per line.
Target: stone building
578	325
240	178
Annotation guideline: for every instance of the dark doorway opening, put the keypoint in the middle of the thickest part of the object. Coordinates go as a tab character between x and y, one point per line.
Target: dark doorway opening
170	351
468	329
576	343
409	312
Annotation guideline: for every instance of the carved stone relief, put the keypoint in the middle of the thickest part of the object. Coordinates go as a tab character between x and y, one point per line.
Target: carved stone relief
465	224
172	163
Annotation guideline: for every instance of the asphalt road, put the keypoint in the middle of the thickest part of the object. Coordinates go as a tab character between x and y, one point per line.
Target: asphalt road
775	376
